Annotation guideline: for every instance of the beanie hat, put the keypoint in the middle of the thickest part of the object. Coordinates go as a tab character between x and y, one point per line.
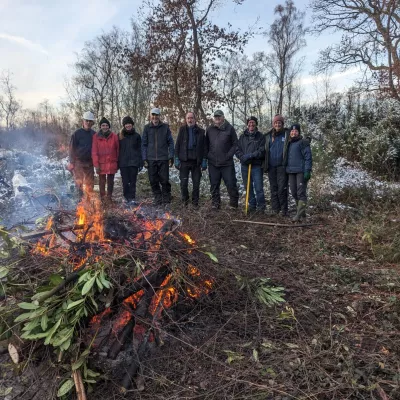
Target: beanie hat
278	118
252	119
295	126
127	120
104	120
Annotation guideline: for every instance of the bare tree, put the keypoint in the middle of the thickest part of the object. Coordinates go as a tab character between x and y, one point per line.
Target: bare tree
9	105
370	38
286	36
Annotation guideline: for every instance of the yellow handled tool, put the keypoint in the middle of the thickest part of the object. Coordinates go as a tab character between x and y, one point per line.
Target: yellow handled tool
248	188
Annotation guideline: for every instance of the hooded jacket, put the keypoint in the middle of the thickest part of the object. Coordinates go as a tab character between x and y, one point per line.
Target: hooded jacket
221	144
105	151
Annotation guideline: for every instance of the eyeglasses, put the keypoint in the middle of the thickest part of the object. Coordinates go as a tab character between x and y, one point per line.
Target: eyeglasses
155	115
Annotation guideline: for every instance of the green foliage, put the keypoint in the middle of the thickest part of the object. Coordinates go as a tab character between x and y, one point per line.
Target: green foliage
262	290
55	319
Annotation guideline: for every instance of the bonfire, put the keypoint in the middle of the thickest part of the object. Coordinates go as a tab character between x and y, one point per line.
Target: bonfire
105	282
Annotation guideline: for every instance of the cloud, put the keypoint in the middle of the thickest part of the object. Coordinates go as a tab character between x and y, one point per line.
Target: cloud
24	42
308	80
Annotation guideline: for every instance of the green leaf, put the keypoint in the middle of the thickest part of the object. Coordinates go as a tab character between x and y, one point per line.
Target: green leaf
52	331
4	271
37	296
99	284
77	364
23	317
31	325
44	322
88	285
34	336
211	255
65	345
65	388
75	303
104	281
55	279
28	306
91	373
84	277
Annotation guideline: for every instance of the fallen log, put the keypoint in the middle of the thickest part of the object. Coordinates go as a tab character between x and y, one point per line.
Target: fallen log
36	234
294	225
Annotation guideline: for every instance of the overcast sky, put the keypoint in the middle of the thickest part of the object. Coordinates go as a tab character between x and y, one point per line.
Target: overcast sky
39	39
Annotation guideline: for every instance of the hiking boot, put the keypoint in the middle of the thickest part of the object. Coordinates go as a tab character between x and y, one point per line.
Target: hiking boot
301	211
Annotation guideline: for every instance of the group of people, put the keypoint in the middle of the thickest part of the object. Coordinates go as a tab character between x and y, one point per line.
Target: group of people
282	153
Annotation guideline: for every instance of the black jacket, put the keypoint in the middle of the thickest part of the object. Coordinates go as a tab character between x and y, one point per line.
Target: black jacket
221	144
157	142
181	146
253	144
130	154
277	151
80	146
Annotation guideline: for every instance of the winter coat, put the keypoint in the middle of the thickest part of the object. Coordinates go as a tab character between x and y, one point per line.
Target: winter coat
276	145
251	143
299	157
80	146
130	149
221	144
157	142
182	141
105	152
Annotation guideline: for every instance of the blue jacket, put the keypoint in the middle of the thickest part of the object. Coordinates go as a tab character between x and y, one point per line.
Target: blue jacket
157	142
299	157
276	148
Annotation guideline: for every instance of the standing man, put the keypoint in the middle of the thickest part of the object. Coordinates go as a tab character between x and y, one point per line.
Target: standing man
276	145
189	157
221	143
158	156
251	151
80	155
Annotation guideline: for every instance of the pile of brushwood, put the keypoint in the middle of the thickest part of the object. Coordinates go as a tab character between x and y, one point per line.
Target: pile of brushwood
80	313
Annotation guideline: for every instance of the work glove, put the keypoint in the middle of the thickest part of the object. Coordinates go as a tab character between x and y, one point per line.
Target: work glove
171	162
307	175
204	164
70	167
177	163
146	164
97	170
245	158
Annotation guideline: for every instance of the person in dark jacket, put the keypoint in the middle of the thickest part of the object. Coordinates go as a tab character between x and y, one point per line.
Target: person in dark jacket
189	157
221	144
251	151
299	167
130	158
105	152
158	156
276	144
80	155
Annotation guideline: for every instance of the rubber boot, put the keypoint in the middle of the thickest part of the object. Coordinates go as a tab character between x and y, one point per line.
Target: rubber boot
301	211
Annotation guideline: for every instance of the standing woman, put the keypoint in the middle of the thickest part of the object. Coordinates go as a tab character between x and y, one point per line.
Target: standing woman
130	158
105	150
299	167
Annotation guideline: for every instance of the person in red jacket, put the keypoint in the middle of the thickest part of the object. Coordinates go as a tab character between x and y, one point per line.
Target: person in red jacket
105	151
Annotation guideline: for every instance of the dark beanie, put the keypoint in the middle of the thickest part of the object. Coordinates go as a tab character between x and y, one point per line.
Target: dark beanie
127	120
104	120
295	126
252	119
278	118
